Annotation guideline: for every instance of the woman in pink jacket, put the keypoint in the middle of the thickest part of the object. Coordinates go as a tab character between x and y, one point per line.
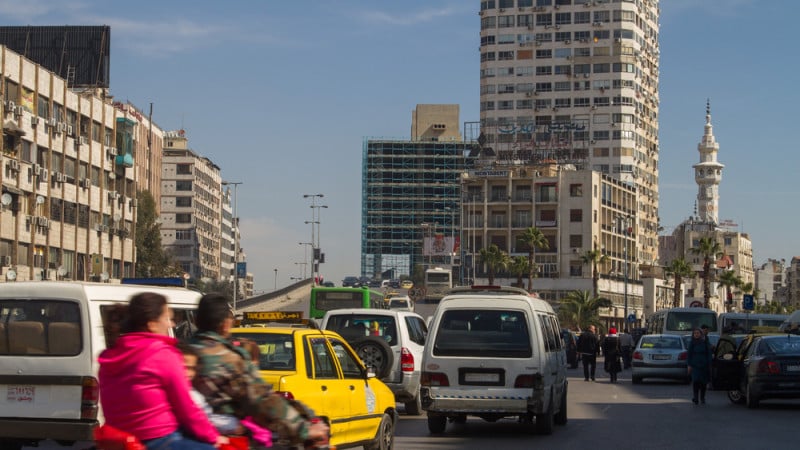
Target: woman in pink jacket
143	386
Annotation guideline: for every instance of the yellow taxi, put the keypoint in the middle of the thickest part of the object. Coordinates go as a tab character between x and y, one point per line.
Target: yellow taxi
319	369
407	284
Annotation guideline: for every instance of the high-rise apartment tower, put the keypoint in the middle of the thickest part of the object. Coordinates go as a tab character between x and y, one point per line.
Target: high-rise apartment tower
576	82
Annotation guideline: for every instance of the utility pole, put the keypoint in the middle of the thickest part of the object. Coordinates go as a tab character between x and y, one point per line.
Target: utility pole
235	229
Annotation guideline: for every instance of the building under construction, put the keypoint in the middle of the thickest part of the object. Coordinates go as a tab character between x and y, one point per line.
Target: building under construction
411	195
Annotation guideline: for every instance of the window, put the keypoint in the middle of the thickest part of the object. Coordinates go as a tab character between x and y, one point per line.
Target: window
505	56
41	327
183	169
544	19
183	202
576	215
581	17
576	240
506	39
183	218
563	18
576	190
575	269
488	23
562	36
505	21
321	364
544	54
350	365
184	185
544	70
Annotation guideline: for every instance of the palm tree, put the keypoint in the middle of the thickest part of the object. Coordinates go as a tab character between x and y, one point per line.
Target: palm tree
533	239
495	259
581	309
709	249
593	258
519	268
729	280
678	269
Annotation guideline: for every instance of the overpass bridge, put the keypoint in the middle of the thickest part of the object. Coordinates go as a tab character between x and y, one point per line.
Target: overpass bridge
283	299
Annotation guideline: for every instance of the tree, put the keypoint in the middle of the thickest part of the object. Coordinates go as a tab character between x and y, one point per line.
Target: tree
224	287
709	249
495	259
151	259
593	258
580	309
678	269
729	280
519	268
533	239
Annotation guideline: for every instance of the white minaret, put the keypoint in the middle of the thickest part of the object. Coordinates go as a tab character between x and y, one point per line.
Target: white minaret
708	174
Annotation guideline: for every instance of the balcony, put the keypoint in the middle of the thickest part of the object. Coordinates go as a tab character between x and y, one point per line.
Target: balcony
546	223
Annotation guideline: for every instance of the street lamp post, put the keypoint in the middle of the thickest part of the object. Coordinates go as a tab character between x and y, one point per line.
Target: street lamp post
305	252
314	220
235	185
452	234
317	255
275	288
624	224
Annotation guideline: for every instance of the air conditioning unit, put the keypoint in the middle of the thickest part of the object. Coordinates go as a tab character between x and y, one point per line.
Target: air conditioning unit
558	27
618	40
104	228
538	43
10	105
43	175
62	127
70	131
480	13
568	42
557	7
36	169
83	140
18	110
111	151
44	222
134	203
529	94
98	227
584	40
502	10
5	260
13	164
52	122
34	121
113	195
86	183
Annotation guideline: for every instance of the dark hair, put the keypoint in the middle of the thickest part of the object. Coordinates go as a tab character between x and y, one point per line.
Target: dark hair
212	312
186	349
142	309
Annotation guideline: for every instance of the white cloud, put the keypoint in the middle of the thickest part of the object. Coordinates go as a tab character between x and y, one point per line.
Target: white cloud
425	16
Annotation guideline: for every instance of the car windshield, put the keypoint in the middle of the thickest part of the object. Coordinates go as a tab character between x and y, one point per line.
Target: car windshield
276	351
398	304
780	345
354	326
485	333
661	342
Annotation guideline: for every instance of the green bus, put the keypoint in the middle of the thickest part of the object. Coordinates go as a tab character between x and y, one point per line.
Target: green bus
324	299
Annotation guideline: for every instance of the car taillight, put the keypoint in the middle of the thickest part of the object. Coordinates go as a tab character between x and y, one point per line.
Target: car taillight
683	356
638	355
524	381
89	394
285	394
406	360
770	367
434	379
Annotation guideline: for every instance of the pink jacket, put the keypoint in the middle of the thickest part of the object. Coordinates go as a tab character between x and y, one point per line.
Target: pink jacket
144	389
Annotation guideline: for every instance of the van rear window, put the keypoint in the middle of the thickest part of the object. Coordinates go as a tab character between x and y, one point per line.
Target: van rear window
40	328
483	333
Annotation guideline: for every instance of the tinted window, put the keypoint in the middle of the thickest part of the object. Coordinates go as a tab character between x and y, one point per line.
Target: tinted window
356	325
320	361
416	330
40	328
783	345
480	332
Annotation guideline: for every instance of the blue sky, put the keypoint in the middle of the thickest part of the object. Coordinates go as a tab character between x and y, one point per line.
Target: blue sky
281	94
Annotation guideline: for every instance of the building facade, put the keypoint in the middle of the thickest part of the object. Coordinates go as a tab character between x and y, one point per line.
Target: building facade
411	195
69	168
576	82
770	279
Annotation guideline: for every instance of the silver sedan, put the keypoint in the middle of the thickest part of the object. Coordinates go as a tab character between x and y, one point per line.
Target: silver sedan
660	356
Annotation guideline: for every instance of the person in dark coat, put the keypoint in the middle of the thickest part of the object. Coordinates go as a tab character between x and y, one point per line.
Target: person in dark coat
699	362
588	348
612	353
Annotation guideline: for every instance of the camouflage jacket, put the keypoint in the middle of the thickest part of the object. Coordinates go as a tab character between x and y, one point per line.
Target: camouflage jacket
231	384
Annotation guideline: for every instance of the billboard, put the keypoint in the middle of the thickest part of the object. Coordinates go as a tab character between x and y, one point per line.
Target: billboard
440	245
79	54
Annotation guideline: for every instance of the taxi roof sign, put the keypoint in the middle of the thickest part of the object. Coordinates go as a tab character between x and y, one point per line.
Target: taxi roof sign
272	316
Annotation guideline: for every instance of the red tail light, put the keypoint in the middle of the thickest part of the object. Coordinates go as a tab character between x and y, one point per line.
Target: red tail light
434	379
286	394
524	381
90	392
638	355
770	367
406	360
683	356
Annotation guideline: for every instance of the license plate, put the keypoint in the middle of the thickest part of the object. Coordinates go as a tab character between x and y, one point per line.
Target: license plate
20	394
793	368
661	357
482	377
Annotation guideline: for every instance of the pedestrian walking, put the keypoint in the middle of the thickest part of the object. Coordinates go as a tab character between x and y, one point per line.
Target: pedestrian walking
611	352
626	347
588	348
699	362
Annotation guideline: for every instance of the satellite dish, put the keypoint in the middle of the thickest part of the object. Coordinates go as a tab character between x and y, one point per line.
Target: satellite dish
39	199
61	271
6	199
11	275
104	276
117	217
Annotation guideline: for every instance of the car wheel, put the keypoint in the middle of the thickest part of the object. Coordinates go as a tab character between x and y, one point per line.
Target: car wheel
750	398
544	421
384	438
736	396
561	416
414	407
437	424
636	380
375	353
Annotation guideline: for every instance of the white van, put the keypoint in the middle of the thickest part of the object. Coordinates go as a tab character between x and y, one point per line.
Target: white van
51	334
494	352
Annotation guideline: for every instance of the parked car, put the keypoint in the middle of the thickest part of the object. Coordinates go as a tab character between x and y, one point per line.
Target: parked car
336	386
570	345
402	303
762	367
660	356
350	282
388	341
494	352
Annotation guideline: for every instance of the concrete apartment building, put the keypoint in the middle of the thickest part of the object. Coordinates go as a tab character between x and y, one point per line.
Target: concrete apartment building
770	279
71	163
411	193
793	282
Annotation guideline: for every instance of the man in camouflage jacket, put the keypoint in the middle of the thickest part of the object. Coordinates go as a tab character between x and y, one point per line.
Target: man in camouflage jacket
231	383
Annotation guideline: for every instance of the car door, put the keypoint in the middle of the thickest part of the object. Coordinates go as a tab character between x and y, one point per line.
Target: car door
363	419
726	367
326	386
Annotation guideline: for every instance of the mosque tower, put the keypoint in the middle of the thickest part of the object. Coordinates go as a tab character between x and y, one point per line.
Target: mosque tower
707	175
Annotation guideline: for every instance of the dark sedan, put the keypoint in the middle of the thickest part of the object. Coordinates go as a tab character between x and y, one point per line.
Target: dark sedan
762	367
